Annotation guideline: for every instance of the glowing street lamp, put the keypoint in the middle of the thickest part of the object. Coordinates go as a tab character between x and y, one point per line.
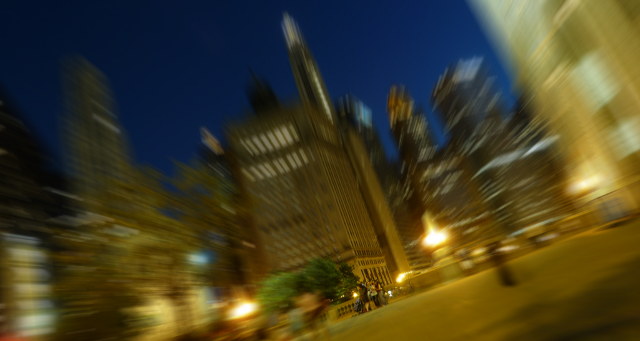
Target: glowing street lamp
243	309
435	238
401	277
585	185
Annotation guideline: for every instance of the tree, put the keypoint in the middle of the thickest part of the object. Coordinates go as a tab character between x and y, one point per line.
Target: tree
333	281
348	281
277	291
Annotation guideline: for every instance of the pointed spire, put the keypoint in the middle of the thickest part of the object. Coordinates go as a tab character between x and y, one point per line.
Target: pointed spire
310	84
291	31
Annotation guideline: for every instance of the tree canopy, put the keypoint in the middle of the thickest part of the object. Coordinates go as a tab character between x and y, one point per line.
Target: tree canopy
333	281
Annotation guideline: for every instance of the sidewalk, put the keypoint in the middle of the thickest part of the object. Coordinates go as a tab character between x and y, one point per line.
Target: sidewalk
585	287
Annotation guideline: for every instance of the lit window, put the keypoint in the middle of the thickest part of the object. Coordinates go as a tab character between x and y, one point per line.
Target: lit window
297	159
257	173
287	135
291	161
252	149
280	135
274	140
256	141
266	142
270	169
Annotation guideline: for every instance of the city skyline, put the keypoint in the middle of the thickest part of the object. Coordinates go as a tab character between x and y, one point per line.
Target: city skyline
161	132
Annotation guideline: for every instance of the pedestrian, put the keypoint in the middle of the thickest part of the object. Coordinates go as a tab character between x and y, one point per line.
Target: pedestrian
373	293
380	295
498	259
466	263
364	295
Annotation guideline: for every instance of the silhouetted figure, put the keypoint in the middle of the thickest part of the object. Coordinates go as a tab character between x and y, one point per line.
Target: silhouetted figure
498	259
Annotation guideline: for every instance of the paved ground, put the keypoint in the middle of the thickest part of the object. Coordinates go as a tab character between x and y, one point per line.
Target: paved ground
584	288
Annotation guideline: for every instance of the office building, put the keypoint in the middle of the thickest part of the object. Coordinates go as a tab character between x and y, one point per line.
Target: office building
576	61
298	172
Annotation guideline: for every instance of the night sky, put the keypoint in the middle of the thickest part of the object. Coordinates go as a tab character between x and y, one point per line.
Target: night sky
177	66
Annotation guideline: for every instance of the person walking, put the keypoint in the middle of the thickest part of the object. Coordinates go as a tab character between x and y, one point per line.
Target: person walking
498	259
380	295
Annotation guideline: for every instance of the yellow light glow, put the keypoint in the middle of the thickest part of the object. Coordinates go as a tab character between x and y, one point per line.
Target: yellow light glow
401	277
435	238
355	294
585	185
243	309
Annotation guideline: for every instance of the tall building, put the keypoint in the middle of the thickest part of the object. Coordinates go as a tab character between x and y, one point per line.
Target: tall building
26	305
473	113
512	171
371	170
577	62
410	193
296	168
97	151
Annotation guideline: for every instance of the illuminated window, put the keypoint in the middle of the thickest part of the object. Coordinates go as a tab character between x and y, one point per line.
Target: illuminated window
273	140
266	142
257	142
287	135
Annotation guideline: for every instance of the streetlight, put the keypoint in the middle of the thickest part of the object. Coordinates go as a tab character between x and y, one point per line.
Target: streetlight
435	238
243	309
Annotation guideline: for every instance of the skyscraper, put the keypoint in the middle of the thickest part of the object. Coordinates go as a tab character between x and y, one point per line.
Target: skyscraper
300	175
412	193
97	150
473	114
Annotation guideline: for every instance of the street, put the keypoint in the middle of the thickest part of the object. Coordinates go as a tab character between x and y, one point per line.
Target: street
583	288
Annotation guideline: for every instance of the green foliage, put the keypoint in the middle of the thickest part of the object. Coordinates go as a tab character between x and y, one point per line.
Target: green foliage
331	280
348	282
278	290
322	276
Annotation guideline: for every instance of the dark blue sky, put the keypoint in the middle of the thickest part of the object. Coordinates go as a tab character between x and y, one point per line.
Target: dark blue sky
176	66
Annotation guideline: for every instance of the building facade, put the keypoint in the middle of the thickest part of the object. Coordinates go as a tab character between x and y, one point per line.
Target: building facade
298	169
576	62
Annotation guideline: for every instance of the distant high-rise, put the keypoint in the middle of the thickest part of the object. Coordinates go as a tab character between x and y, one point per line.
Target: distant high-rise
410	197
355	114
473	114
466	97
97	150
410	128
310	84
